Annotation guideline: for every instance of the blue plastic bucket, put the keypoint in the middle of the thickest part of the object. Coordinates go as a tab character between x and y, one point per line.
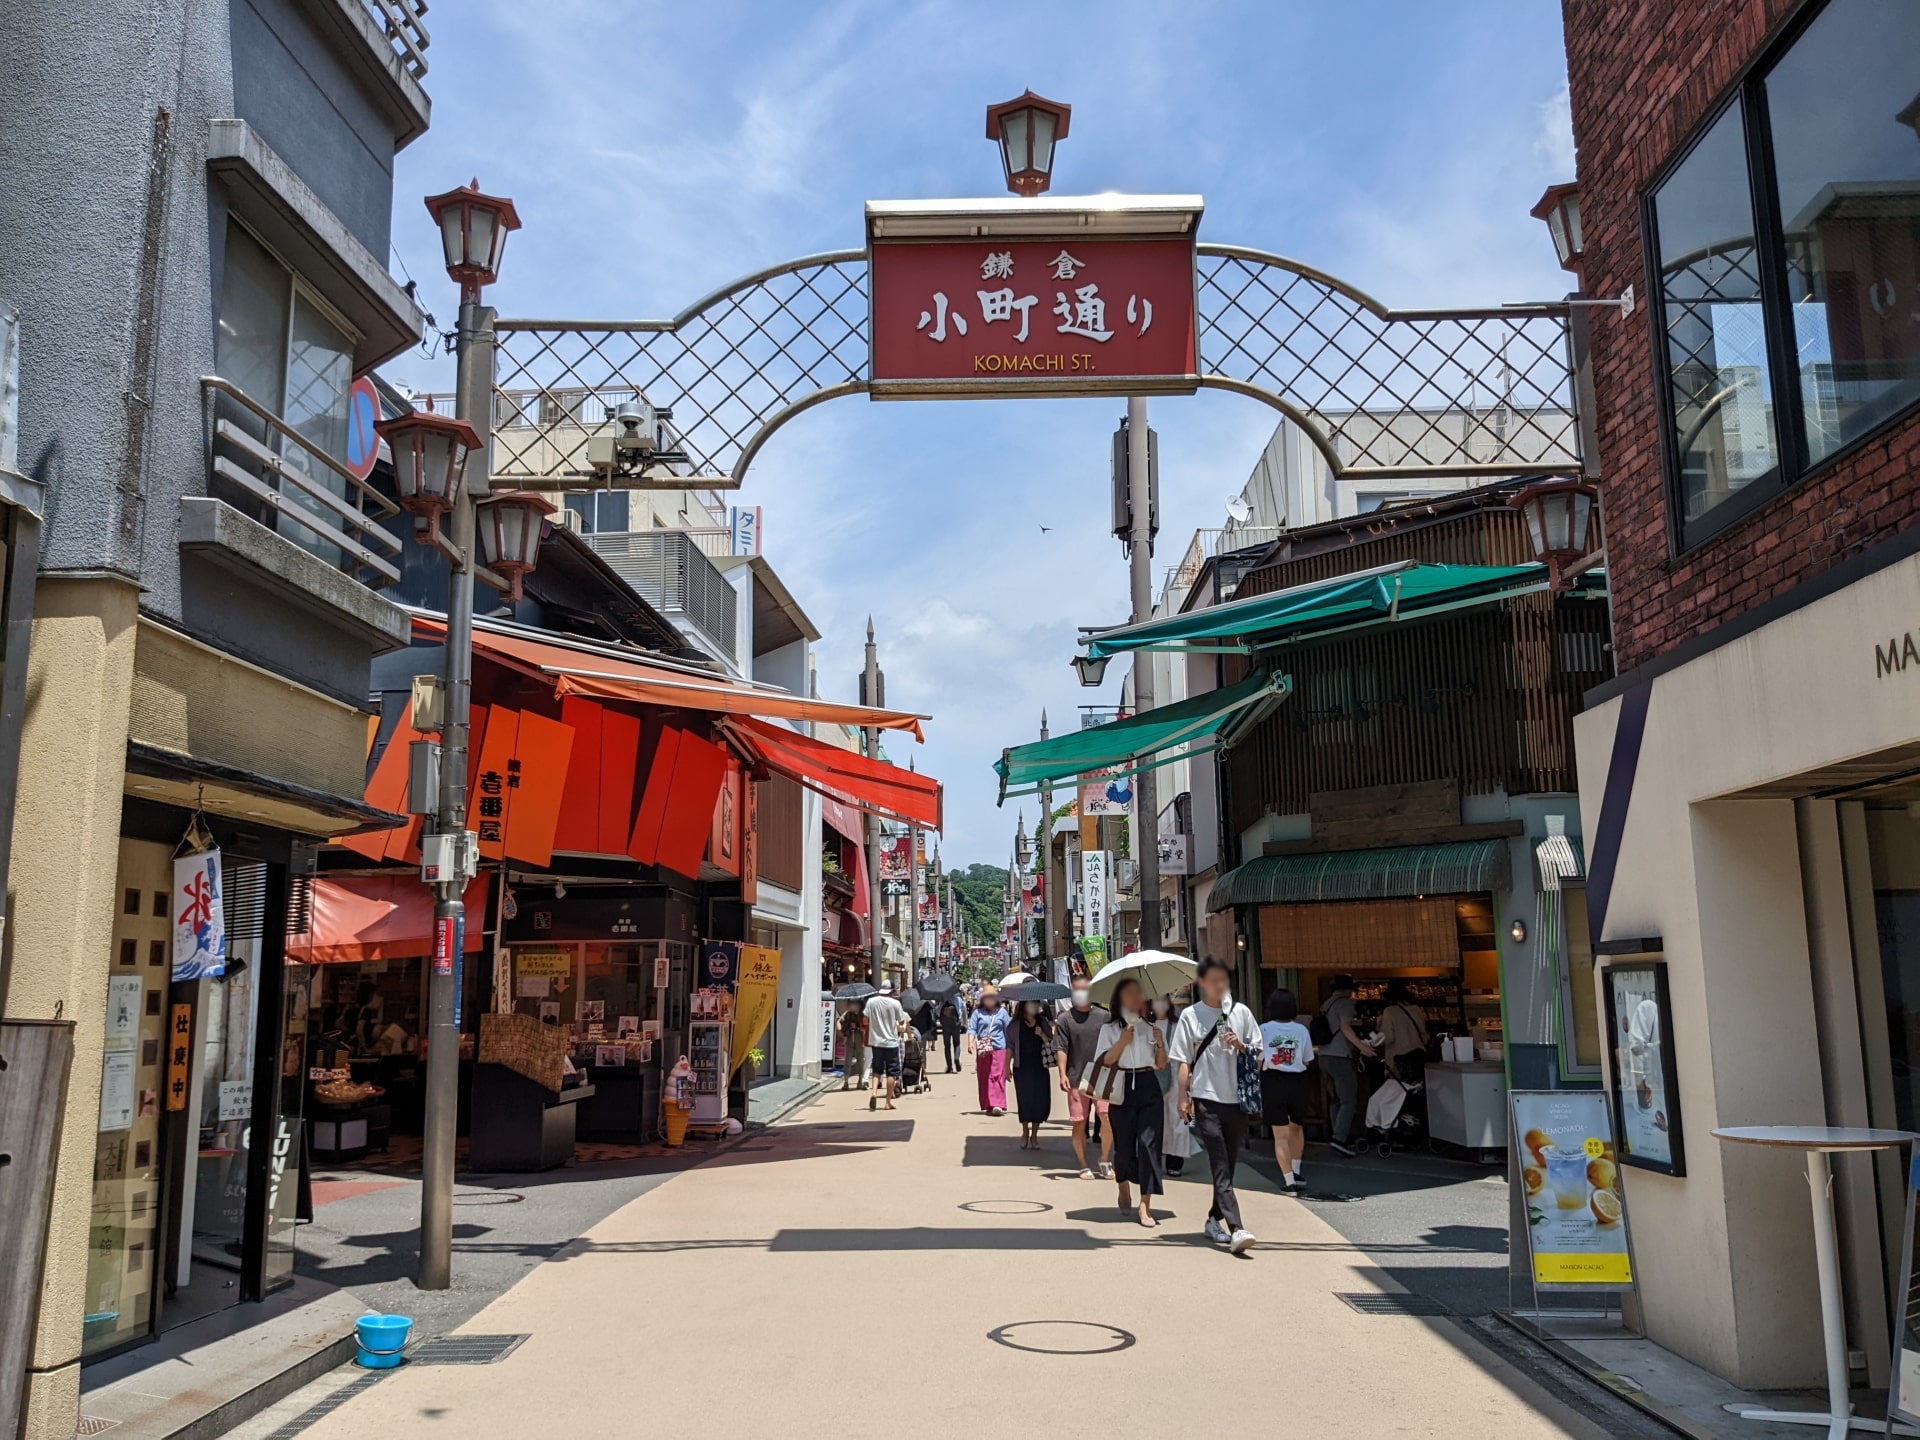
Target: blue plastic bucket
382	1338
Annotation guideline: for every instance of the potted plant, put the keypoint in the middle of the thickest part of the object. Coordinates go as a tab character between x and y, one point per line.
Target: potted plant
756	1057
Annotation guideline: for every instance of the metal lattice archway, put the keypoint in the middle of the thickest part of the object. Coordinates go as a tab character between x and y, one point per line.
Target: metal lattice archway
1382	393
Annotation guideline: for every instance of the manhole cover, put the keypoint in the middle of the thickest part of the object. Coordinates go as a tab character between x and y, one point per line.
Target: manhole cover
1062	1337
1005	1207
1370	1304
488	1197
465	1350
93	1425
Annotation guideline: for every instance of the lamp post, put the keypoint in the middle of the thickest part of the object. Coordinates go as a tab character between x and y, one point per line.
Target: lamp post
870	694
473	231
1045	837
1140	555
1028	127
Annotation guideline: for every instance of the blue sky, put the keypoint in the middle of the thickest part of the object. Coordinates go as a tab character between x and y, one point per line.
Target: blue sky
657	151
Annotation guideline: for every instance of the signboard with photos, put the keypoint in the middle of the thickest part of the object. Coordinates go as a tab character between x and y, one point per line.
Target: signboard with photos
1576	1222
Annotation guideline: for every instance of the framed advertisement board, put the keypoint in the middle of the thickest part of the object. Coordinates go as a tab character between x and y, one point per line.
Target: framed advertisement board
1903	1386
1576	1223
1643	1089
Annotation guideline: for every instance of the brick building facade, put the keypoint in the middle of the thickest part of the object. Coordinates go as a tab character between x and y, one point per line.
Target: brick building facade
1750	781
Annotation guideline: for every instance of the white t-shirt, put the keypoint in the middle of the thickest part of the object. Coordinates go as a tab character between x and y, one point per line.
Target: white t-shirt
1217	1076
1289	1046
1139	1052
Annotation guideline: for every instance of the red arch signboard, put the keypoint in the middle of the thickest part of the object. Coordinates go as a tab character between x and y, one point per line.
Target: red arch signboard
1033	297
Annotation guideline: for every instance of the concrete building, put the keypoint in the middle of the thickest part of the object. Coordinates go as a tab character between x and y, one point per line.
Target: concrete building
195	188
1750	172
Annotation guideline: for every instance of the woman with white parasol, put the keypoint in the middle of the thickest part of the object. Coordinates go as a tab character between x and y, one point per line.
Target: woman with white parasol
1160	974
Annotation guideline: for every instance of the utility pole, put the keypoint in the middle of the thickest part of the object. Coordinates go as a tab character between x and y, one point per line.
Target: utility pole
870	686
1146	828
473	403
1045	837
912	907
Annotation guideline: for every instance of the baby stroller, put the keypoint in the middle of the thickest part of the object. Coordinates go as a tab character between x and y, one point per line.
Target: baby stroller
1396	1116
913	1065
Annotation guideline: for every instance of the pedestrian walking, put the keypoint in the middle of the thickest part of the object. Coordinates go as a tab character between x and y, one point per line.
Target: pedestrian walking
1212	1035
1133	1044
1283	1082
1077	1043
987	1039
853	1043
1030	1051
1176	1136
951	1029
1340	1048
885	1020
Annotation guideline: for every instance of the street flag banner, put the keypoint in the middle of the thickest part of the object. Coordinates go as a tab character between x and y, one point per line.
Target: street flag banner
1103	793
1576	1227
758	993
199	918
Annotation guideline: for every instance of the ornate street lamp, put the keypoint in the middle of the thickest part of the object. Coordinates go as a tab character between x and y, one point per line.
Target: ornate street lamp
429	465
1560	208
1091	669
1560	517
473	232
1028	128
511	524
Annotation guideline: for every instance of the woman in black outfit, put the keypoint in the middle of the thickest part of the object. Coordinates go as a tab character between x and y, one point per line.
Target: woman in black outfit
1030	1052
1135	1044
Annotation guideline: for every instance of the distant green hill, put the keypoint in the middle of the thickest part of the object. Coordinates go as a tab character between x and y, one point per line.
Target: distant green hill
980	889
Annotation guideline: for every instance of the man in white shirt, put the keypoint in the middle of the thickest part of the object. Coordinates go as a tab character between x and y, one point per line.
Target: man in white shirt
885	1020
1207	1045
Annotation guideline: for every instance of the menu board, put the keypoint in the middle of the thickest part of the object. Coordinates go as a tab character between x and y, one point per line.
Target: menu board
1576	1224
1903	1389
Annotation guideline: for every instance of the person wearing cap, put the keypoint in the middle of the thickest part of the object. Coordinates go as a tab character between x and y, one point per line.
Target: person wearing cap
886	1018
987	1039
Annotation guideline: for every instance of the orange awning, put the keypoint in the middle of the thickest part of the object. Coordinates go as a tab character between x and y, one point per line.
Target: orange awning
608	677
841	774
379	917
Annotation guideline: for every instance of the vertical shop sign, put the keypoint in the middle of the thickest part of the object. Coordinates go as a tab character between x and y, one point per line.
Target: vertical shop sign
199	918
1093	894
758	992
1576	1226
179	1055
443	942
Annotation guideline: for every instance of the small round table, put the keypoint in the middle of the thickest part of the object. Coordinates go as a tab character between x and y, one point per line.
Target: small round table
1818	1142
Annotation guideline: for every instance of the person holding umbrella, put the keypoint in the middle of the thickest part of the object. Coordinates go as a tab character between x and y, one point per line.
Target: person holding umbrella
1030	1049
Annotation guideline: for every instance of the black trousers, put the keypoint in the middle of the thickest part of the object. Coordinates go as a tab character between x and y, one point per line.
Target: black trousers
1221	1131
1136	1123
952	1045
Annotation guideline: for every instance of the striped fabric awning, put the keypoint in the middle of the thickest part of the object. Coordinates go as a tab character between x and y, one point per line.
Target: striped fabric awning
1463	867
1560	858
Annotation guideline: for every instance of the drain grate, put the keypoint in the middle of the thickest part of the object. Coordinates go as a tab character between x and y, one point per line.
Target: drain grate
93	1425
1371	1304
465	1350
313	1414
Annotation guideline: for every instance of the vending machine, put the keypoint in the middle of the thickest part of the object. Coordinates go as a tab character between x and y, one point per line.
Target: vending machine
707	1054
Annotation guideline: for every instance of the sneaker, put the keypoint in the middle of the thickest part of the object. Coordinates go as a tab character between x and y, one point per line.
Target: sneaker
1341	1147
1241	1243
1296	1176
1217	1232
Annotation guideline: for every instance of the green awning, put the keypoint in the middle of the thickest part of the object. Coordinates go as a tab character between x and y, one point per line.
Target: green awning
1217	717
1409	590
1461	868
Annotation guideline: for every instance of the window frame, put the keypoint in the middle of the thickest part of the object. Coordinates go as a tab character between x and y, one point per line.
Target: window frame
1748	90
298	287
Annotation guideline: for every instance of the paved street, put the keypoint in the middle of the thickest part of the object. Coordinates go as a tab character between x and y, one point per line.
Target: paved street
930	1233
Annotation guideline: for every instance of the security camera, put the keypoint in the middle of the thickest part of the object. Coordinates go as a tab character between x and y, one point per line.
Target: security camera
639	428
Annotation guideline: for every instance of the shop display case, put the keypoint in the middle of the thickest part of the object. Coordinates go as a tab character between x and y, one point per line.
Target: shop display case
707	1054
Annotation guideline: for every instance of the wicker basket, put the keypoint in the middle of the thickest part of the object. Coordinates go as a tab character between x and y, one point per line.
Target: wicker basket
525	1046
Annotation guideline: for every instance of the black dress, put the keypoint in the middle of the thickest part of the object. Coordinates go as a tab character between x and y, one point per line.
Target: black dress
1032	1080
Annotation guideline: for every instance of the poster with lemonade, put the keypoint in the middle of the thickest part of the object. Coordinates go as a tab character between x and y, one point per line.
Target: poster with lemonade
1576	1229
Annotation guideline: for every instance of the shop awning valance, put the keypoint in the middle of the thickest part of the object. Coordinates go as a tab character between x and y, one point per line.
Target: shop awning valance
1216	718
1391	594
1561	858
840	774
594	673
1461	868
378	917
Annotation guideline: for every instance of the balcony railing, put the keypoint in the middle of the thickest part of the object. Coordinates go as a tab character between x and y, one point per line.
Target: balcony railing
669	569
406	32
295	486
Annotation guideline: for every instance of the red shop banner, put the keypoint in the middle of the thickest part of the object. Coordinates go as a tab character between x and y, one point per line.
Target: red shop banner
1006	317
